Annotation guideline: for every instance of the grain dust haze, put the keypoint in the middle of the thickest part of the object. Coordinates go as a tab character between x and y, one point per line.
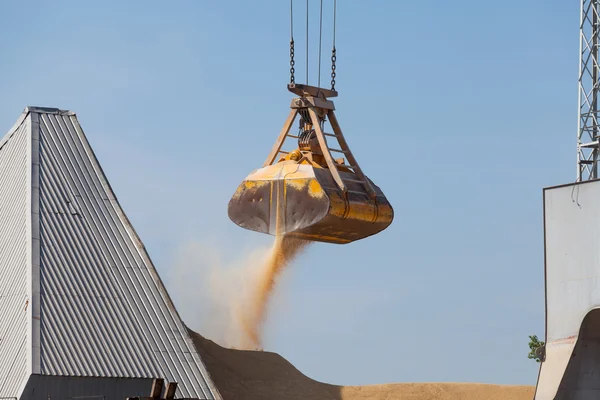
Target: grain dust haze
229	301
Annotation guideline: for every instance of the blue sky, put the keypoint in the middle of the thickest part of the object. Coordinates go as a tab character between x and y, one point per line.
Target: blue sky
460	111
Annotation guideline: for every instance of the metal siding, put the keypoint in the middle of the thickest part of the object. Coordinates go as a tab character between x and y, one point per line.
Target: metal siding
45	387
13	260
572	234
104	310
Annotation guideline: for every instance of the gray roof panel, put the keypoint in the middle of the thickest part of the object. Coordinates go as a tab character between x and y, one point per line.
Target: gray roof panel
99	306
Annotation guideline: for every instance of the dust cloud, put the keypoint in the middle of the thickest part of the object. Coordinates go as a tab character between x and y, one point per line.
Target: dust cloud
229	301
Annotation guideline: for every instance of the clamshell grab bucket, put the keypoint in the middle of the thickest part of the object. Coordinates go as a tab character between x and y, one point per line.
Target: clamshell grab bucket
306	193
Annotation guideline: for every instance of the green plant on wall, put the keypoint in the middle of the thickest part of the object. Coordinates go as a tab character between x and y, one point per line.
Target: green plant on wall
534	345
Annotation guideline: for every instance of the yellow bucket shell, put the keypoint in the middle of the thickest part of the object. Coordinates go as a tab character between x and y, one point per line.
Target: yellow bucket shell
303	201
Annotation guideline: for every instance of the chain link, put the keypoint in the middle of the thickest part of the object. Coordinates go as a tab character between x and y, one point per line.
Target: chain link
292	63
333	67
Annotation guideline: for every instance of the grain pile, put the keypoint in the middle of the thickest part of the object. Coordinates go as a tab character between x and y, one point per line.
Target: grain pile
254	375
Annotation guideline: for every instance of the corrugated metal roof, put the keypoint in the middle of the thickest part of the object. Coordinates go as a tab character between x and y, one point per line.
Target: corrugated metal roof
103	310
14	191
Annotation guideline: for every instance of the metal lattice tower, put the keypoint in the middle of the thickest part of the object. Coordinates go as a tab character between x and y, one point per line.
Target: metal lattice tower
588	146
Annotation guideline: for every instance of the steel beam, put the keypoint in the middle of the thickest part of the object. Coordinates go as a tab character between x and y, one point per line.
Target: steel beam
589	73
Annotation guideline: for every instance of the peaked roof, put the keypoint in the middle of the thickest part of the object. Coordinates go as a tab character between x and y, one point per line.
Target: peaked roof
79	295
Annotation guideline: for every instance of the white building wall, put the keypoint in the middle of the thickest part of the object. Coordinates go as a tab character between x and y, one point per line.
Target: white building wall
572	246
14	180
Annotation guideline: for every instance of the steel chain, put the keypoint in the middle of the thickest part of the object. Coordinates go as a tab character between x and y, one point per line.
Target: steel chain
292	63
333	67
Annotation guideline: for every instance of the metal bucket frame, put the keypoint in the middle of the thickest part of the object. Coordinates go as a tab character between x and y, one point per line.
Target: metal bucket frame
314	100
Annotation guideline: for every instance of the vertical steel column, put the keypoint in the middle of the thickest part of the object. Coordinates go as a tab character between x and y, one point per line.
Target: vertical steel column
589	71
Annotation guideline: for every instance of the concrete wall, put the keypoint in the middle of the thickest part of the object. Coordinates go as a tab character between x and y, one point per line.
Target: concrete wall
571	369
582	377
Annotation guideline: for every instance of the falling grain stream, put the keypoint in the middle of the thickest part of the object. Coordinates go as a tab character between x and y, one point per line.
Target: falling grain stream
284	250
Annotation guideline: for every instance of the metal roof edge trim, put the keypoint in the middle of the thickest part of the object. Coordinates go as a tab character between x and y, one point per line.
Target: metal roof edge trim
33	215
30	255
47	110
570	184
